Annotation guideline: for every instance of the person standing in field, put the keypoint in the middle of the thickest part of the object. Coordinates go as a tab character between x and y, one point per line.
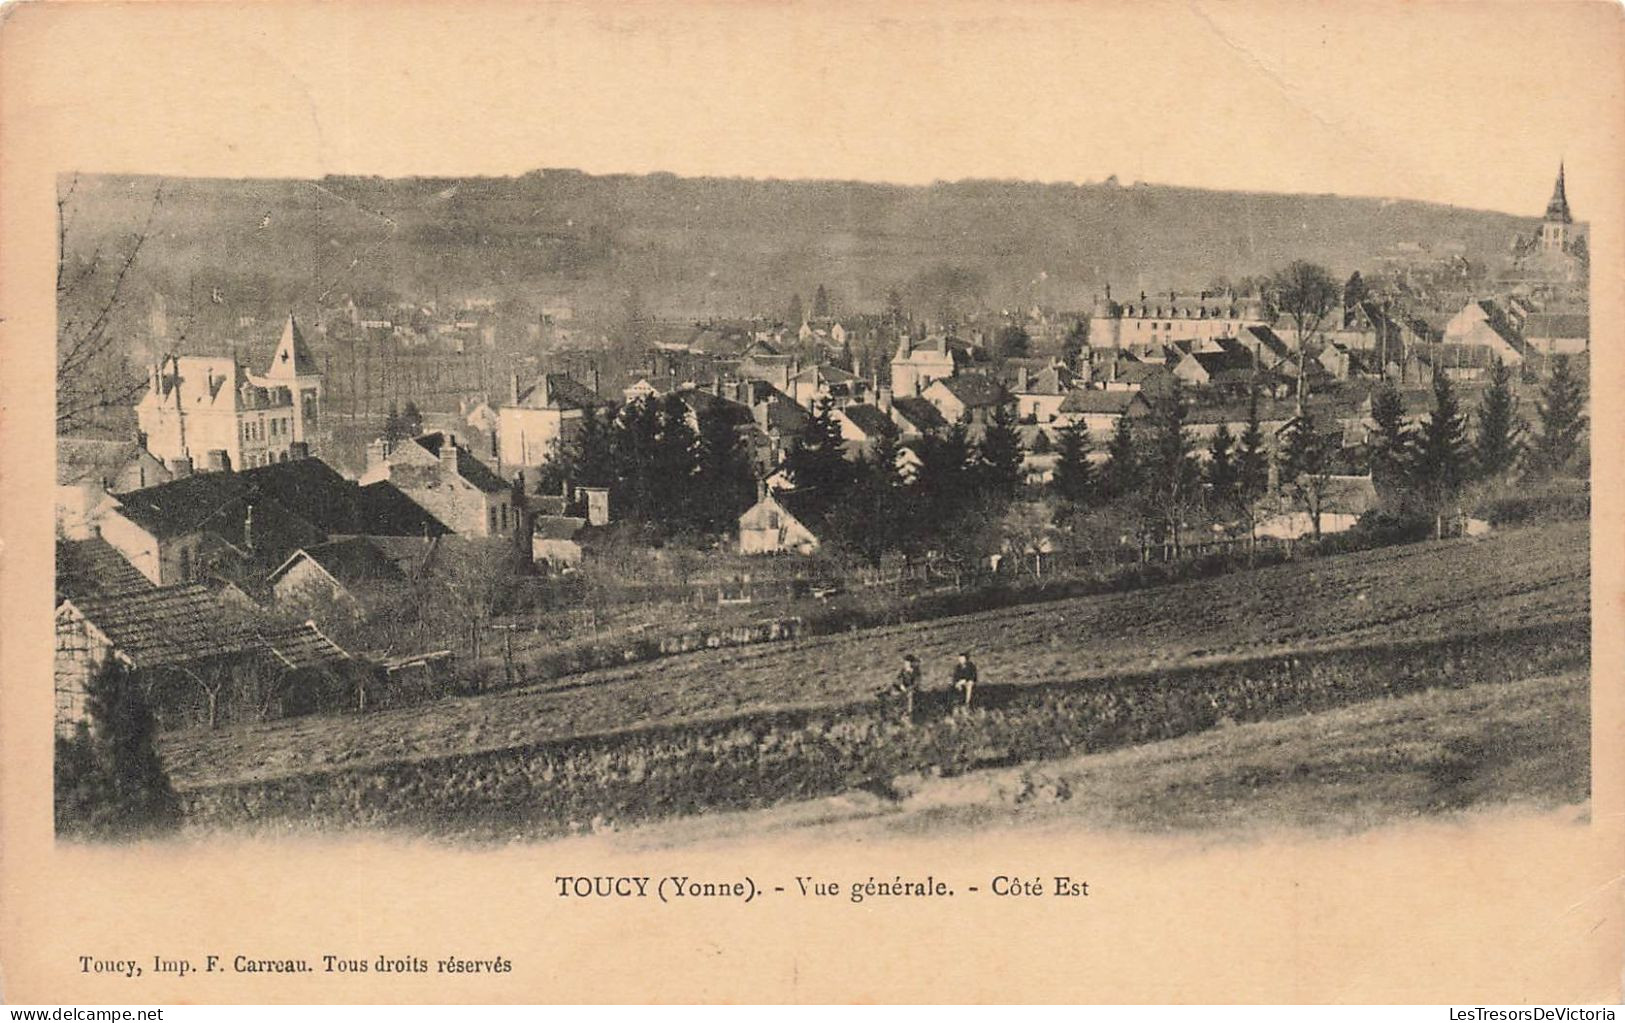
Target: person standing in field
965	676
907	681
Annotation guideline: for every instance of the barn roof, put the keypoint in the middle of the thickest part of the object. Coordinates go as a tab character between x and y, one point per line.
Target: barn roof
166	625
870	420
94	568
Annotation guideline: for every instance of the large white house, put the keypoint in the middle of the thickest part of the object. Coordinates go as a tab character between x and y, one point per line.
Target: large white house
206	412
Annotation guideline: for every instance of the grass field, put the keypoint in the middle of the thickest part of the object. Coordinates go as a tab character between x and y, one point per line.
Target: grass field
1417	591
1522	744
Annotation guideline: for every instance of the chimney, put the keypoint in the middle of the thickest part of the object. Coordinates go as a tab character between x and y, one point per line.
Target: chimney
377	451
513	388
448	452
298	449
545	391
215	460
1021	379
597	505
181	467
883	397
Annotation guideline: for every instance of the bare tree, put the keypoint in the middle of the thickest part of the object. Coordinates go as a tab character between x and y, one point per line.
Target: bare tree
91	374
1307	295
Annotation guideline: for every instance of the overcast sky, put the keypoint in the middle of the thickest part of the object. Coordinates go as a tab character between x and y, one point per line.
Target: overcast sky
1466	103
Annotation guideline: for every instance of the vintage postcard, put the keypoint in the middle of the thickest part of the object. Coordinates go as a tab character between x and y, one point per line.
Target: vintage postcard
811	502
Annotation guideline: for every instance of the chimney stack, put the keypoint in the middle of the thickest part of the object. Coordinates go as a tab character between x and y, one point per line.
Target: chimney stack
215	460
377	451
597	505
513	388
181	467
448	452
883	397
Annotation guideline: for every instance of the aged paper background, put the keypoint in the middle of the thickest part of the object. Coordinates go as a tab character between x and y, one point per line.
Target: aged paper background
1470	103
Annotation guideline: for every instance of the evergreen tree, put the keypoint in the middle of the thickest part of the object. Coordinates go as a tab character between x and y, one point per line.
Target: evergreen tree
1171	477
895	314
1252	458
1499	442
999	455
1220	474
820	306
637	435
593	459
848	360
942	487
817	462
868	522
394	428
411	419
727	484
1306	459
1013	342
1562	420
109	779
796	315
1077	341
675	467
1075	482
1121	476
1392	448
1443	457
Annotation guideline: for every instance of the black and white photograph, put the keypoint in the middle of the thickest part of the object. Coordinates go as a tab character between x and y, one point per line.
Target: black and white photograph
967	427
524	506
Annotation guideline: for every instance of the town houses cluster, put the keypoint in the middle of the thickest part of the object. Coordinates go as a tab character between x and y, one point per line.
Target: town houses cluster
245	486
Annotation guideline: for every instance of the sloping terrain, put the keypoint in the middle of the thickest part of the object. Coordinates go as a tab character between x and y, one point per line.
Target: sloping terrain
1522	745
1418	591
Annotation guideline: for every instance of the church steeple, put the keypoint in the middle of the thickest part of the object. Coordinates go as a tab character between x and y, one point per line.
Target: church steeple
1558	209
292	358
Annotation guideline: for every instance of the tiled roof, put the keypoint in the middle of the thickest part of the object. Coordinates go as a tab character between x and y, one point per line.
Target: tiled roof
562	391
353	561
870	420
924	416
826	374
1094	401
94	568
557	527
169	625
303	646
1215	363
975	390
785	416
476	472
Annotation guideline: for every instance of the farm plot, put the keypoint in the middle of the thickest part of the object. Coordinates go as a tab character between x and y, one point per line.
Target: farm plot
1419	591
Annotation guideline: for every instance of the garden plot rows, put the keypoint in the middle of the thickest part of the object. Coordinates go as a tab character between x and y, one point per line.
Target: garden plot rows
1416	591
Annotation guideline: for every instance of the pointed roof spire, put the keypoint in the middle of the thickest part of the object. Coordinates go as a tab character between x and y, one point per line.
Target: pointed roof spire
292	358
1558	208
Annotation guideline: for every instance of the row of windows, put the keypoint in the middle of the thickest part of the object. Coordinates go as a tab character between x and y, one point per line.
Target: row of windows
491	518
257	429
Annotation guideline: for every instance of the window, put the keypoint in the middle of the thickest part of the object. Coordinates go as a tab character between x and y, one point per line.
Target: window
492	515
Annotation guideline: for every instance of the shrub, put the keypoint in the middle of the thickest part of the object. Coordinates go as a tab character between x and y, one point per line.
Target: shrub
109	782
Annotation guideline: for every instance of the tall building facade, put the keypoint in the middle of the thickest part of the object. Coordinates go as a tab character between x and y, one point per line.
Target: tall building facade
205	412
